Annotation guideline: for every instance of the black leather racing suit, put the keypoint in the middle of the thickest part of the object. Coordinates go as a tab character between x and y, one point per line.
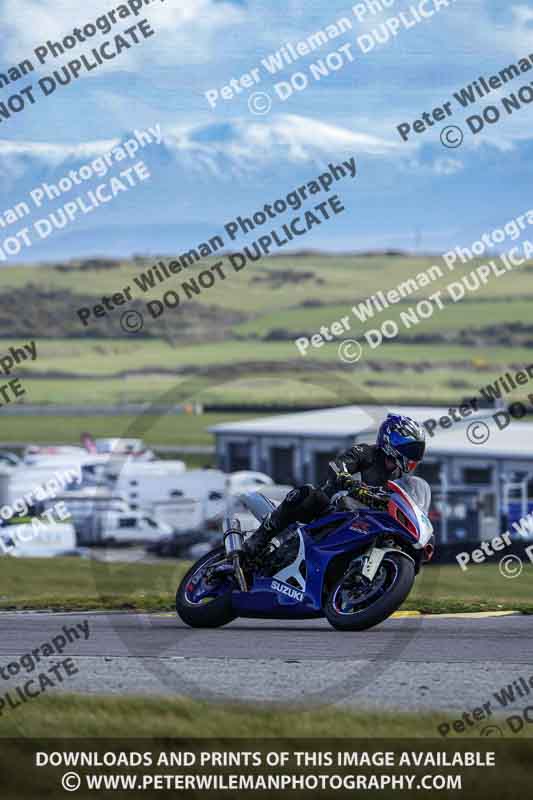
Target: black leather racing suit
306	502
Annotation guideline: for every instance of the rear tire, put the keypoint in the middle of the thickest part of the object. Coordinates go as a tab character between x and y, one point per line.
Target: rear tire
400	573
213	614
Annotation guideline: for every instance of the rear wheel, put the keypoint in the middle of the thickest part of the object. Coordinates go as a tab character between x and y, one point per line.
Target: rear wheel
356	604
203	599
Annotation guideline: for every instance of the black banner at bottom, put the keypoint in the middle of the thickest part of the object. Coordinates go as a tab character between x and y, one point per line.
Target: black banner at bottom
246	768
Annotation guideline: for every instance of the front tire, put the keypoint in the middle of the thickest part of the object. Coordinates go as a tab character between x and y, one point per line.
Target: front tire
359	607
208	612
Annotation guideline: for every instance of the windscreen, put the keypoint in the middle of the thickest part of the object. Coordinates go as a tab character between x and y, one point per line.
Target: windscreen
417	489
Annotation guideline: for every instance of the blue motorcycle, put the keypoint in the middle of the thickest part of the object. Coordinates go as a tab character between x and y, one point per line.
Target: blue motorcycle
352	565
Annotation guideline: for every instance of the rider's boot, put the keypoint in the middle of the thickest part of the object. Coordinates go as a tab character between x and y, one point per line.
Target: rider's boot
302	503
257	543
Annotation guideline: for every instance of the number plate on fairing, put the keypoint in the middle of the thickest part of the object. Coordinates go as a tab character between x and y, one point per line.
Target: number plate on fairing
372	563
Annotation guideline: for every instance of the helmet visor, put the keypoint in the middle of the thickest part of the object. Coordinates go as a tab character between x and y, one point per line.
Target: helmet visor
413	451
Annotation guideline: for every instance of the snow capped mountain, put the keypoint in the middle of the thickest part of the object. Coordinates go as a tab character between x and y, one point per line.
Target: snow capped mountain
202	176
244	143
191	172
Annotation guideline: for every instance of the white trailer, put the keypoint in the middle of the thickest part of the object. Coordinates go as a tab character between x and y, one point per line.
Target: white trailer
54	539
143	483
130	527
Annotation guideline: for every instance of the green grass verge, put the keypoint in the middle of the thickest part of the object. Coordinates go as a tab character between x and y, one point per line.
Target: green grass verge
446	588
74	584
76	715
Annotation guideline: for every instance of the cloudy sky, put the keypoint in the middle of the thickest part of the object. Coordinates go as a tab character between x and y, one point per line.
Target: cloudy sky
227	159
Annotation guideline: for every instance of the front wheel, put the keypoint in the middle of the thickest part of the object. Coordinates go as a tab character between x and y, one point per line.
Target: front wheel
203	600
356	604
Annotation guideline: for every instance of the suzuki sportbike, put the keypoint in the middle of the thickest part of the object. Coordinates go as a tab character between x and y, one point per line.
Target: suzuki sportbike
352	565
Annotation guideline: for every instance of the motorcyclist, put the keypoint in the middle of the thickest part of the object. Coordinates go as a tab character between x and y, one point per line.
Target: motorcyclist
399	448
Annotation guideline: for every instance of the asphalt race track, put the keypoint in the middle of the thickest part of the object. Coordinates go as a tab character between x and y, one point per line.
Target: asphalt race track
417	663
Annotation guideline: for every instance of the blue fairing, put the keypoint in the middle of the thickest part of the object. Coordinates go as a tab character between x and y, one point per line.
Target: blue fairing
354	534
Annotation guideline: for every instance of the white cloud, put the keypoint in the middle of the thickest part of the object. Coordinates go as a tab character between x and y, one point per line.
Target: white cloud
303	132
224	150
184	30
56	153
447	166
517	36
247	146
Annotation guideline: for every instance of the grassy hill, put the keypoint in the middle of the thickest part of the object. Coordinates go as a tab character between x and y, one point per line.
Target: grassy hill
234	343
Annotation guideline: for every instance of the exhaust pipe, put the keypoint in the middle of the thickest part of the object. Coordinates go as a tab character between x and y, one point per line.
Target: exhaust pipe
233	545
233	540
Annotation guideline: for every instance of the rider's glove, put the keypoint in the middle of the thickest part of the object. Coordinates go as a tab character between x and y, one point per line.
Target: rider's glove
373	498
344	480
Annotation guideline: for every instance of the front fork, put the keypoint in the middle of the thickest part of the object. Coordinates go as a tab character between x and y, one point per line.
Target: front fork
233	545
373	558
